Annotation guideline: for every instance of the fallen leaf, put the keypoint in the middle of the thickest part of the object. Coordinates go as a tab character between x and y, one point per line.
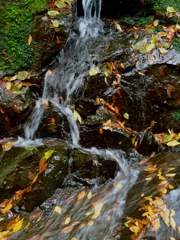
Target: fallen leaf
77	116
8	85
90	223
93	71
29	40
67	221
52	13
170	10
163	50
173	143
22	75
58	209
81	195
126	115
89	195
18	225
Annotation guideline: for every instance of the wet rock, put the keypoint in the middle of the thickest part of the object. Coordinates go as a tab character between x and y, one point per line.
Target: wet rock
90	136
85	107
28	36
65	166
54	124
14	107
89	169
166	162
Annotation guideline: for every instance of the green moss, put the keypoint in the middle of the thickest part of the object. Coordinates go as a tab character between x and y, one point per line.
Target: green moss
176	44
176	115
161	5
16	22
137	21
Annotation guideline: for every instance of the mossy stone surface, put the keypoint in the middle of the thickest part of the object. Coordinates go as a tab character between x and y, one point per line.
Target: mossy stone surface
16	22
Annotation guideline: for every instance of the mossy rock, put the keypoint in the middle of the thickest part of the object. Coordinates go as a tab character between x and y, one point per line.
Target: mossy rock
19	20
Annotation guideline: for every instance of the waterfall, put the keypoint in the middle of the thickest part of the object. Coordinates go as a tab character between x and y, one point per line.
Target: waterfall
64	81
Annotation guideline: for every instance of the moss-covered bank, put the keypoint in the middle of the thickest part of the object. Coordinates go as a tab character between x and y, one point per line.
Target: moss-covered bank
16	22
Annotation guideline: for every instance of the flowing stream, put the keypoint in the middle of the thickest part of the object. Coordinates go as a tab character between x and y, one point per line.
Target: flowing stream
99	216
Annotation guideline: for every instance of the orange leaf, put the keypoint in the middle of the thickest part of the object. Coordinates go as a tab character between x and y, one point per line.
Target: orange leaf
81	195
42	165
27	84
30	175
11	224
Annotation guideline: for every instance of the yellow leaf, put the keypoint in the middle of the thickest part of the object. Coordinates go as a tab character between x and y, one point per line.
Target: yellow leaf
27	225
95	215
99	206
58	209
163	183
122	65
172	213
55	23
163	50
170	10
7	208
134	229
119	186
67	221
74	238
81	195
77	116
8	85
170	174
52	13
171	238
126	115
90	223
18	225
93	71
89	195
173	143
29	40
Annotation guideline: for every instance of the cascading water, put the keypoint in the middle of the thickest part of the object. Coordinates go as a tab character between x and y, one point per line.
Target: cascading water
61	85
67	78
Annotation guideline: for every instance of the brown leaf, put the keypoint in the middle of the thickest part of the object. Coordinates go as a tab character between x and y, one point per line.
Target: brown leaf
169	90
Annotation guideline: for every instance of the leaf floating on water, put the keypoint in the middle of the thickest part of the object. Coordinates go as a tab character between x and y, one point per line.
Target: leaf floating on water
98	207
11	224
90	223
58	209
27	225
93	71
171	238
67	221
172	223
18	225
67	229
81	195
74	238
89	195
96	214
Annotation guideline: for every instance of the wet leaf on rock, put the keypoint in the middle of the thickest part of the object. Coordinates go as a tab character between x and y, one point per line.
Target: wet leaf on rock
60	4
58	209
93	71
48	154
81	195
52	13
22	75
18	225
55	23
